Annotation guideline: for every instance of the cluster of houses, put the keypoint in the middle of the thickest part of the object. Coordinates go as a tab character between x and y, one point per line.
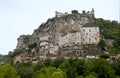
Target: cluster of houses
85	32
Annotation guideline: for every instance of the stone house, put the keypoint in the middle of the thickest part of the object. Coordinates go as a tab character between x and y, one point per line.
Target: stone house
88	34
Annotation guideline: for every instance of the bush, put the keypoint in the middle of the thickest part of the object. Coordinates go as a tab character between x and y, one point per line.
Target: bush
74	12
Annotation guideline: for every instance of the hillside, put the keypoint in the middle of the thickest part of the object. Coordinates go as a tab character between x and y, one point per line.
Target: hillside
45	40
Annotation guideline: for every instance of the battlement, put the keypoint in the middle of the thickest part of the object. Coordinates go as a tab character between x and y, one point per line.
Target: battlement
59	14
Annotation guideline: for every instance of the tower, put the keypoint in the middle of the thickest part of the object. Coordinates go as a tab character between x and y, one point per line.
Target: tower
92	12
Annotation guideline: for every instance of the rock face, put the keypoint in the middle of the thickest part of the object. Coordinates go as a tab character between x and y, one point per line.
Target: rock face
23	41
47	36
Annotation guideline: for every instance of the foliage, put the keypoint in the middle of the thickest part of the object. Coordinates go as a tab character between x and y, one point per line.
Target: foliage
89	66
38	66
90	76
117	44
58	61
15	53
105	56
102	44
80	66
8	71
26	72
74	12
50	72
26	39
48	62
104	69
117	66
33	45
66	68
109	29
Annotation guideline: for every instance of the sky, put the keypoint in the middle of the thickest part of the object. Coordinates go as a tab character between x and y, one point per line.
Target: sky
18	17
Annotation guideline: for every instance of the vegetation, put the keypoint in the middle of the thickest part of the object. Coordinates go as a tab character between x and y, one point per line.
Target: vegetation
26	39
109	30
8	71
63	68
72	67
75	12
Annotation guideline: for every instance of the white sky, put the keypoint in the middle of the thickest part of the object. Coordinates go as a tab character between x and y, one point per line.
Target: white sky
18	17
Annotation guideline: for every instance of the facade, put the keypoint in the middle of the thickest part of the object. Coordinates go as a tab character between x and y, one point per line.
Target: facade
59	34
70	38
75	30
88	34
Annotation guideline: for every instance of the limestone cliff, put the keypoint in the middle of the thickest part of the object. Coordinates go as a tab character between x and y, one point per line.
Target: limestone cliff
61	24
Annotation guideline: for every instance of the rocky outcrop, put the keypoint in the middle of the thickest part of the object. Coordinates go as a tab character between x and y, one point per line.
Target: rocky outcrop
23	41
59	25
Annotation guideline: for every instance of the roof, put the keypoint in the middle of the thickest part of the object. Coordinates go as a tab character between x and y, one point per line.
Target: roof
89	25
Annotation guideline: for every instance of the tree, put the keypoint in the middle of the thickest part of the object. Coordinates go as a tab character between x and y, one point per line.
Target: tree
26	72
8	71
117	43
104	69
58	61
50	72
105	56
38	66
116	66
80	66
89	66
58	74
48	62
102	44
90	76
66	67
74	12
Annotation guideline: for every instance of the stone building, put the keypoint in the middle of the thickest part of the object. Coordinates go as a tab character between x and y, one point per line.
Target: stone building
88	34
59	14
62	30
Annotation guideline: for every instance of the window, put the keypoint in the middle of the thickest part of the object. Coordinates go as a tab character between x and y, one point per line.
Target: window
89	30
89	39
95	38
83	39
83	30
86	33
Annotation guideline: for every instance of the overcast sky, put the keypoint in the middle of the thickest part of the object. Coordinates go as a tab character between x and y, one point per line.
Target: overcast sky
18	17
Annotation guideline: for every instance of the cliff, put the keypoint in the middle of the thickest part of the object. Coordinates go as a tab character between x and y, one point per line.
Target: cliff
61	24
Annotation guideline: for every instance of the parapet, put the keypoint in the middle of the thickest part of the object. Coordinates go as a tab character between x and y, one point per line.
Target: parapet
59	14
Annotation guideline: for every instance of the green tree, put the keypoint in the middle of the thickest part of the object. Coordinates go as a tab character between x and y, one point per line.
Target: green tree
104	69
117	44
50	72
74	12
102	44
8	71
70	71
90	76
58	61
48	62
89	66
80	66
80	76
105	56
116	66
26	72
38	66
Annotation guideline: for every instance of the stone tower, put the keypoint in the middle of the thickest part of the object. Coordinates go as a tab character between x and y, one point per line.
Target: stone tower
92	12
